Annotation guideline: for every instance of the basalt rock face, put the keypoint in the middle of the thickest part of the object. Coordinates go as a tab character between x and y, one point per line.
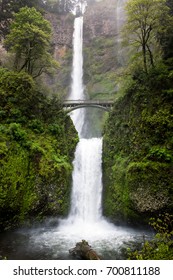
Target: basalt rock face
62	26
62	41
100	49
100	20
103	53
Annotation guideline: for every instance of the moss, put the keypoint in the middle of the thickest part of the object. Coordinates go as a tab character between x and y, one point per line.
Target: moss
150	185
117	203
35	156
137	150
116	198
99	68
35	176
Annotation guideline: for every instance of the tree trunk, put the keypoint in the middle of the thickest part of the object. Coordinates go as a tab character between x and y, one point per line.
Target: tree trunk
83	250
144	57
151	56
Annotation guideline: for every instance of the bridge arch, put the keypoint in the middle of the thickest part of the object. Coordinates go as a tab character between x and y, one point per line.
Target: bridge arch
87	106
71	105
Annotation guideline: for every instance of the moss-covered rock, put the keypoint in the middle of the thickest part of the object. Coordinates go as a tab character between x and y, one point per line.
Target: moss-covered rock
137	150
37	143
99	68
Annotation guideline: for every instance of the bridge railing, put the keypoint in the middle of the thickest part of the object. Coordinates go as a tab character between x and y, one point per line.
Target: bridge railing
87	102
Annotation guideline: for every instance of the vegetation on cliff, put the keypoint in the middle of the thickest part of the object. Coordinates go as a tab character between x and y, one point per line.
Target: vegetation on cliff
138	143
36	151
29	40
100	57
100	49
100	65
161	246
37	138
59	6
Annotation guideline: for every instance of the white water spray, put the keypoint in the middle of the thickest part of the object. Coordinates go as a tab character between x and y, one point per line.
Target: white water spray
87	182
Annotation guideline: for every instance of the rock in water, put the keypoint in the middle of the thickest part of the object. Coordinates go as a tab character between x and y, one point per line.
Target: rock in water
84	251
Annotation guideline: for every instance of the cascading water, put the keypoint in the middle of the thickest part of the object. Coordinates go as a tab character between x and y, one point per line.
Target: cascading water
87	182
85	210
85	220
87	178
77	91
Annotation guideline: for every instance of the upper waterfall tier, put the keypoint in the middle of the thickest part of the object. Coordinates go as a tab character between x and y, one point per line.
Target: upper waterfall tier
77	90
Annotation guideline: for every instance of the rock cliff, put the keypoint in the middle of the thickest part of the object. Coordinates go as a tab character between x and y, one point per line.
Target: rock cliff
101	57
100	49
62	37
100	20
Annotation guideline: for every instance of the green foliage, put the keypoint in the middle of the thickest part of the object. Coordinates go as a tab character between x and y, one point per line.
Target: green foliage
16	132
21	101
29	40
99	67
161	246
147	22
16	189
36	125
159	154
37	142
116	197
138	133
7	10
55	129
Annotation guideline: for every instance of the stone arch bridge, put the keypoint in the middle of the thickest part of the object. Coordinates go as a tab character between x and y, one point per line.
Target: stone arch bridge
72	105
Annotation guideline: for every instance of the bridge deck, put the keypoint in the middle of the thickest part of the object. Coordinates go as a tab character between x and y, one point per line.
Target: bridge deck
69	103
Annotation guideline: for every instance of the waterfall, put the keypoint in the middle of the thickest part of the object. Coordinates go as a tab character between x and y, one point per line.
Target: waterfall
85	217
85	220
77	90
87	173
87	181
